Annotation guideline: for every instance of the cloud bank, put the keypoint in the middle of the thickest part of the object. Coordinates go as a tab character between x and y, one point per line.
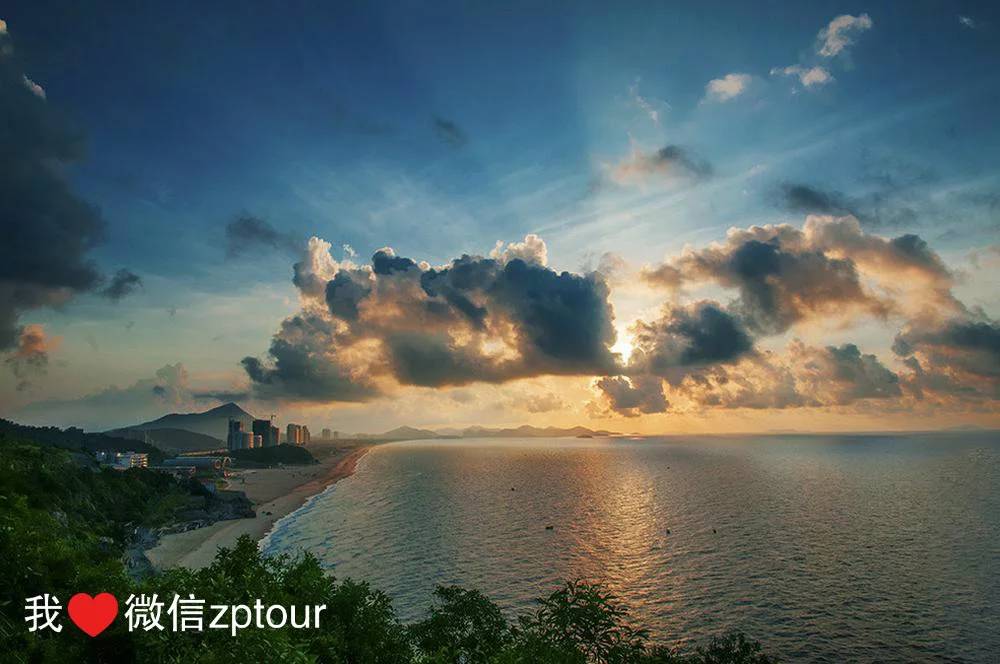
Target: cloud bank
49	231
828	273
364	329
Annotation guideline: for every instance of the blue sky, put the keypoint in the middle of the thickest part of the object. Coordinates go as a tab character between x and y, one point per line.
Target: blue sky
439	129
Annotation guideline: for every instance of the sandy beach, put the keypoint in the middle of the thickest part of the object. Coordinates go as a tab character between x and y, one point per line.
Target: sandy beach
275	492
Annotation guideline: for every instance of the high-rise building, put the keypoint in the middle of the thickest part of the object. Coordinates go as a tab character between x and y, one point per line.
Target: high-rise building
268	432
297	434
326	434
235	439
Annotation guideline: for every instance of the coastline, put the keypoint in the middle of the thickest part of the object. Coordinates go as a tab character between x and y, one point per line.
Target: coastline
275	492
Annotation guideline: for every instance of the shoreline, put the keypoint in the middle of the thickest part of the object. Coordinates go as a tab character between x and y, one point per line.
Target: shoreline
275	492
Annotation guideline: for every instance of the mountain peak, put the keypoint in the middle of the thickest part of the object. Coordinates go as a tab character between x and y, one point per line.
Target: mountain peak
231	409
213	422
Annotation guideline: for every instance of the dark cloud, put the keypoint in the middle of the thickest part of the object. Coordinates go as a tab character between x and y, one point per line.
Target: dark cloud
698	335
246	234
670	162
449	132
387	262
123	282
803	376
953	357
895	195
305	364
779	288
785	275
861	376
633	396
48	231
435	360
678	157
476	319
778	285
345	292
564	320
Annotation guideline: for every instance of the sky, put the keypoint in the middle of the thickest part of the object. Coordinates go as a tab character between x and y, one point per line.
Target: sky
645	217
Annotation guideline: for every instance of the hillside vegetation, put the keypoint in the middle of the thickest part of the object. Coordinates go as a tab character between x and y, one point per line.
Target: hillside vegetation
77	439
272	456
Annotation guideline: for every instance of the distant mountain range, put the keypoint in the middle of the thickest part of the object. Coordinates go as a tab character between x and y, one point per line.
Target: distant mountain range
186	432
214	423
526	431
402	433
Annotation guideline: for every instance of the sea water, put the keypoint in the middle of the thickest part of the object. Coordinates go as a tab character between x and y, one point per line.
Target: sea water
824	547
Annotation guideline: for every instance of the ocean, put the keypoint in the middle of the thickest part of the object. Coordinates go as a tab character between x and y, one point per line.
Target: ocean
826	548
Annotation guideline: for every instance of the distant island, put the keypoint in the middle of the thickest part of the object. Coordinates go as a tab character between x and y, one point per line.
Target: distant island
525	431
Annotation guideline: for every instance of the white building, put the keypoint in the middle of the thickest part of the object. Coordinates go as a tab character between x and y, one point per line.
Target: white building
126	460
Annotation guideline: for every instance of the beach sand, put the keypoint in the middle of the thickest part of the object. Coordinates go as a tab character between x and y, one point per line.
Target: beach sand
275	492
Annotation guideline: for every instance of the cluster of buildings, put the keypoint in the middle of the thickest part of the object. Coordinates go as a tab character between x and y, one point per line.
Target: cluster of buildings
123	460
181	467
264	434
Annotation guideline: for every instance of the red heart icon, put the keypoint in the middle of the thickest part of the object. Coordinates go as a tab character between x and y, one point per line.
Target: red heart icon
92	614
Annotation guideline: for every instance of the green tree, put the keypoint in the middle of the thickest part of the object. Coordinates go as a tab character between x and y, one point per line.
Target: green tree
462	626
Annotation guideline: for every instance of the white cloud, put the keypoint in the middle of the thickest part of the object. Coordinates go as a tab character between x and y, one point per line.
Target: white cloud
832	40
647	106
968	22
727	87
808	76
532	250
840	33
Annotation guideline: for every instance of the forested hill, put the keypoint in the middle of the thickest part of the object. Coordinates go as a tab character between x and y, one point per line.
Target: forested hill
75	439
